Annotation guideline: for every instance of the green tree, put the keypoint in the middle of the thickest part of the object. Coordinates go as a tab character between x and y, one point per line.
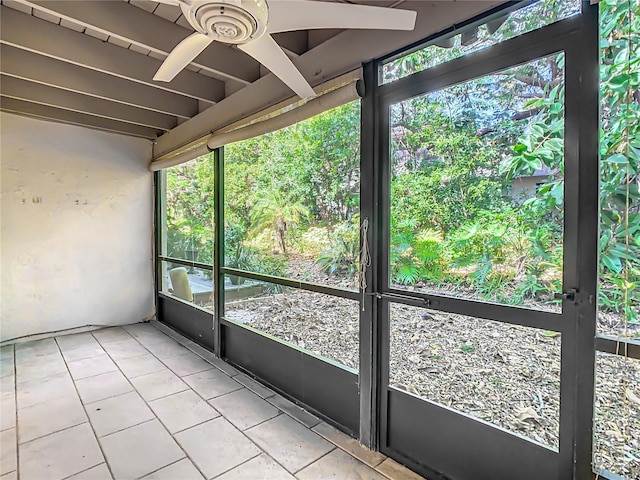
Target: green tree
330	164
542	144
276	212
620	157
190	208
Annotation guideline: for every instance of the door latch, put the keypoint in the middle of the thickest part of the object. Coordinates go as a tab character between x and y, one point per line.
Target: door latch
570	295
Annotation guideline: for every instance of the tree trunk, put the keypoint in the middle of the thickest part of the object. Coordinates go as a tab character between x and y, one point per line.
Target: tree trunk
282	228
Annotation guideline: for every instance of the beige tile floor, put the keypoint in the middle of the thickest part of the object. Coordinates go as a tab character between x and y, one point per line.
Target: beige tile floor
143	402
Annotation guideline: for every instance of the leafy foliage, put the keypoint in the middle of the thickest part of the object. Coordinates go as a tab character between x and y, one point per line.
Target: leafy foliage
190	208
415	254
477	177
620	157
343	256
523	20
299	186
274	211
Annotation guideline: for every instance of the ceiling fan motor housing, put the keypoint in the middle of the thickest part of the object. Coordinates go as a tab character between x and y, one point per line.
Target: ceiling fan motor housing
229	21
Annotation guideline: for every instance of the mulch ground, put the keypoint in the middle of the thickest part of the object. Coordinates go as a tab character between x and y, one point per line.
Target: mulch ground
504	374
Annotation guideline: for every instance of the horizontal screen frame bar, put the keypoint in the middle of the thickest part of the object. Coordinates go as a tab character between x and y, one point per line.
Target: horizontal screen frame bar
627	348
186	263
287	282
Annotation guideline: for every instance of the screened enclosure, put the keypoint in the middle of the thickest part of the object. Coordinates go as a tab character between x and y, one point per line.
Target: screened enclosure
448	268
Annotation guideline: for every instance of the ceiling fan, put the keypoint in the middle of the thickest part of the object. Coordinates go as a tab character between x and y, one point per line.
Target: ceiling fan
250	23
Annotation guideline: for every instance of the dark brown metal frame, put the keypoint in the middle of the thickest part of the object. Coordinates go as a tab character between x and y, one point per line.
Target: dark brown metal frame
324	387
189	319
328	389
578	38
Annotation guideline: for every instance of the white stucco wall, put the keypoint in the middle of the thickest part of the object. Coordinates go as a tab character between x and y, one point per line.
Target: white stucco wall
76	228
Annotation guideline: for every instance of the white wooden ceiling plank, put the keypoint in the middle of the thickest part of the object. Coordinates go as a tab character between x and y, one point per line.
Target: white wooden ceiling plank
168	12
76	27
73	47
66	100
48	71
20	107
134	25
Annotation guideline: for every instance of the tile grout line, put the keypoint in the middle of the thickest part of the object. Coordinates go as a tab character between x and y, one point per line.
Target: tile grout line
86	470
240	464
91	376
178	337
88	421
83	358
188	351
130	358
258	446
216	396
125	428
181	378
316	460
186	455
242	387
238	428
179	340
189	388
197	424
207	402
163	396
56	431
84	409
242	432
172	371
186	343
260	423
148	402
148	352
160	360
168	465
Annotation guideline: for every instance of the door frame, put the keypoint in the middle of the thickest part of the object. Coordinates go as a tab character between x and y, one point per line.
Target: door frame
578	37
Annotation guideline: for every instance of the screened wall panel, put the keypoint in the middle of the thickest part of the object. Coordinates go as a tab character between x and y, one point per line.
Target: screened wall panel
291	200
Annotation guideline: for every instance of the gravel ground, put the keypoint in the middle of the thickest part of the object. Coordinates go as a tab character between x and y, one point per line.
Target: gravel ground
617	414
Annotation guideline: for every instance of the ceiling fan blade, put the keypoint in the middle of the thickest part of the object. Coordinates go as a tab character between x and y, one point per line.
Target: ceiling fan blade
170	2
268	52
181	56
287	15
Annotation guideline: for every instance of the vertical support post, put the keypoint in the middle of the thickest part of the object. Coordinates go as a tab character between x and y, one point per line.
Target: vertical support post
368	310
161	228
382	258
588	238
218	253
581	248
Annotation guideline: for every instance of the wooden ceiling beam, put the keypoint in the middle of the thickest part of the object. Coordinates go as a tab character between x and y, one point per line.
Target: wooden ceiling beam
45	38
66	100
45	112
134	25
296	41
48	71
